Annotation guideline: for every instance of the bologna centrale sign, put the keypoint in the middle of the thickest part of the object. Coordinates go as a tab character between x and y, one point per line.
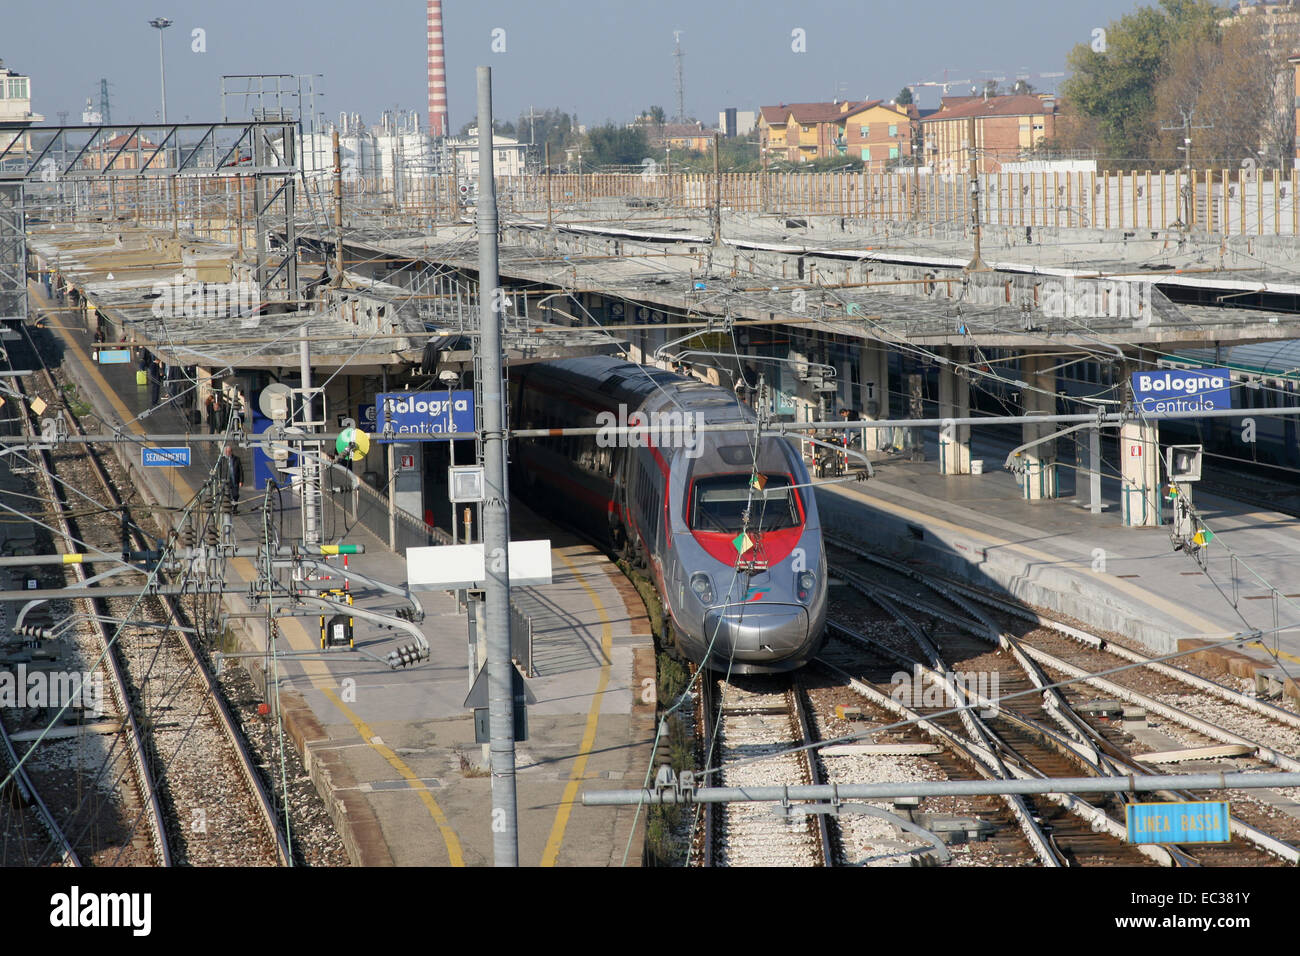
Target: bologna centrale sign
403	416
1182	390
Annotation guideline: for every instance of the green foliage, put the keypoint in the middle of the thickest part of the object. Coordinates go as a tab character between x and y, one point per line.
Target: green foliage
739	155
904	97
824	164
673	678
553	126
1115	88
612	145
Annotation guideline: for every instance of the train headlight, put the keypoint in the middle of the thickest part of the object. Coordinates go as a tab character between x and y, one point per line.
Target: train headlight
806	581
702	586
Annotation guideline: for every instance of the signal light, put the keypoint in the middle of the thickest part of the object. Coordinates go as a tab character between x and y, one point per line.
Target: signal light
807	581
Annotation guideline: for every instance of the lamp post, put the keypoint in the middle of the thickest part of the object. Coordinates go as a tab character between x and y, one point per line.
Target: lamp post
160	24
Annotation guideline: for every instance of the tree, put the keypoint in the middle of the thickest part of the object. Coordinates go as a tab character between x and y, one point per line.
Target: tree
990	88
1115	75
612	145
1230	87
657	115
553	127
904	97
1022	87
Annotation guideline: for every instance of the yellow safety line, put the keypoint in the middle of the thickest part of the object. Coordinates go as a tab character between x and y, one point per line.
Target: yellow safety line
1201	623
369	736
317	671
1282	654
319	674
552	851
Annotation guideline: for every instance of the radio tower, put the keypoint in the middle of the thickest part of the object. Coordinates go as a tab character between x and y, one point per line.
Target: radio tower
678	55
103	102
437	71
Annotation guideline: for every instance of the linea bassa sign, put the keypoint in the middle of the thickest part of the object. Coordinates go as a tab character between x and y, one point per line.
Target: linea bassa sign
431	414
1182	390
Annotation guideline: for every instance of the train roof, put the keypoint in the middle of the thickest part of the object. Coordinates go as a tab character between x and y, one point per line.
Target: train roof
637	384
1270	359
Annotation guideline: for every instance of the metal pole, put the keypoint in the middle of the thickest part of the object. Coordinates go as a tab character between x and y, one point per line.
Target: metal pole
496	514
947	788
338	212
548	184
162	68
451	450
717	194
1094	470
976	263
308	467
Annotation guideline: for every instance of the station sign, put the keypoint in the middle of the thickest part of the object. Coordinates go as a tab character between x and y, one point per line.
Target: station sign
427	415
1182	390
366	417
114	356
1203	822
165	457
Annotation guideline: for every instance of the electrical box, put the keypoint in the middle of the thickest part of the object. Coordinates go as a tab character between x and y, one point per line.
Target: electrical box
1183	462
466	483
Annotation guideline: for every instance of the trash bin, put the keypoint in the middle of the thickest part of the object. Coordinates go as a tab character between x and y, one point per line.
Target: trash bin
977	466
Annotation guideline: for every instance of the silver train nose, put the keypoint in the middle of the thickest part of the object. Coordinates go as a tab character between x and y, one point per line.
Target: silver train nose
756	632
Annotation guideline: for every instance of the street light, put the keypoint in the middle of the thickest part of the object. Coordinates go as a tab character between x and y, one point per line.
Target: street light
161	24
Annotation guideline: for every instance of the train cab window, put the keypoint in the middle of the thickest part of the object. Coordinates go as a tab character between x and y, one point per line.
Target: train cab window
719	501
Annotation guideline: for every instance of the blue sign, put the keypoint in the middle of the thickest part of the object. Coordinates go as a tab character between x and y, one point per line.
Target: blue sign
366	417
1182	390
114	356
1205	822
436	415
164	457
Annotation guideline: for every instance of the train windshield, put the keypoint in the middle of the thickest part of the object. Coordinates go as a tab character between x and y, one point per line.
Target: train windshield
718	503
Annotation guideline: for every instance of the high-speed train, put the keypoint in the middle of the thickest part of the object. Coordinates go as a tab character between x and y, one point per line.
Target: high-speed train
726	523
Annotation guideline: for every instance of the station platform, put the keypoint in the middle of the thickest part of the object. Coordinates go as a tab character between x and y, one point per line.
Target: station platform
392	752
1057	555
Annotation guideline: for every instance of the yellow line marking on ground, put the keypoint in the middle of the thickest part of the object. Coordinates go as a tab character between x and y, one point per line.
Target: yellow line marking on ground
317	671
1282	654
1203	625
449	837
552	852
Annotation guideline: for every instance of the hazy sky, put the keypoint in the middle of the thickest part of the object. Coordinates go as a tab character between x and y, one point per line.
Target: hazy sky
604	60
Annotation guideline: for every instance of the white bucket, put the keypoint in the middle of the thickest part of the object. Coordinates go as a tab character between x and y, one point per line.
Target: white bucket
977	466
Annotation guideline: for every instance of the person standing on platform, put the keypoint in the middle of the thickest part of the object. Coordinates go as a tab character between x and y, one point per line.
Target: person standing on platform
232	471
155	383
210	411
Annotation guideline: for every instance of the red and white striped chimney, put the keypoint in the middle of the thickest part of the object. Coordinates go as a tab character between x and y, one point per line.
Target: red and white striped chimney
437	72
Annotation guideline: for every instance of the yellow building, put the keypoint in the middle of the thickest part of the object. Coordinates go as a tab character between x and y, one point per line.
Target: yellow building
879	133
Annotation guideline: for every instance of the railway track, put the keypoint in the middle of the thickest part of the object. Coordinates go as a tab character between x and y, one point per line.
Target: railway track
198	792
1040	725
751	725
